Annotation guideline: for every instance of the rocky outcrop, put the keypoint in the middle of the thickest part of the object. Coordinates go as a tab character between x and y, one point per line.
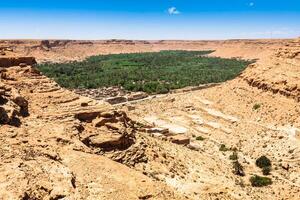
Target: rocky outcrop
278	73
48	44
65	147
112	131
180	139
15	61
281	87
72	147
12	106
288	53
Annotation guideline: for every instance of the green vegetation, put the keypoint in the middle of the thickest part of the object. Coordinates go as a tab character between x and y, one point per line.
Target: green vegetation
223	148
265	164
157	72
238	168
200	138
256	106
233	156
266	170
259	181
263	161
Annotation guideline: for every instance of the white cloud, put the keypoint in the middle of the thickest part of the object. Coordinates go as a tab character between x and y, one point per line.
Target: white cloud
251	4
173	11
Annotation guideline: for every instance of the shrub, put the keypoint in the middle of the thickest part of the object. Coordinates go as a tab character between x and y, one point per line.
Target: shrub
200	138
223	148
266	170
259	181
256	106
263	161
233	156
238	169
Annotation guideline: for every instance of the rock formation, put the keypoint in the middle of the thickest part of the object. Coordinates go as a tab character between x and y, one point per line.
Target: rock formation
56	144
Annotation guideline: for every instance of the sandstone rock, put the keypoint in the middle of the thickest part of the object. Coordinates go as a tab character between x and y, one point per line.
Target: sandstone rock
157	135
88	116
102	121
2	92
9	49
180	139
23	65
107	114
4	119
20	101
15	61
116	100
84	104
114	126
108	141
130	108
2	69
8	115
175	129
137	96
34	71
194	146
162	131
45	44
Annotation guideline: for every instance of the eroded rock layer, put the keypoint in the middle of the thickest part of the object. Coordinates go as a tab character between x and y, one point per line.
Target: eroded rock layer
52	142
194	144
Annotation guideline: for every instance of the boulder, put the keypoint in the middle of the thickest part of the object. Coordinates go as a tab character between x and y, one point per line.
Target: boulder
87	116
23	65
8	115
107	114
108	141
116	100
163	131
180	139
100	121
137	96
20	101
194	146
4	119
84	104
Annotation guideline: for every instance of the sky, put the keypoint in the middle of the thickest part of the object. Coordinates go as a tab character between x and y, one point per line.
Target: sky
149	19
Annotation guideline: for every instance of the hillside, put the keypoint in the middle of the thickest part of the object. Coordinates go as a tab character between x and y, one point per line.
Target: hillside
56	144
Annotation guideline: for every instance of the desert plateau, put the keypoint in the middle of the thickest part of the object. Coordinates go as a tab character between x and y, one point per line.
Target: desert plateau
237	139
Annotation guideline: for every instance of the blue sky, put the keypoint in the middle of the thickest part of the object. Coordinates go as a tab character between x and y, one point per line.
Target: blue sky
149	19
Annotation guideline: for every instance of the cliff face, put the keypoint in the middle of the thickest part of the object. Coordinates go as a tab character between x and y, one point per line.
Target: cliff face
15	61
52	143
278	73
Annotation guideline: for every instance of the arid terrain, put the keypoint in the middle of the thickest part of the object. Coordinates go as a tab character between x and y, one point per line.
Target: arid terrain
56	144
